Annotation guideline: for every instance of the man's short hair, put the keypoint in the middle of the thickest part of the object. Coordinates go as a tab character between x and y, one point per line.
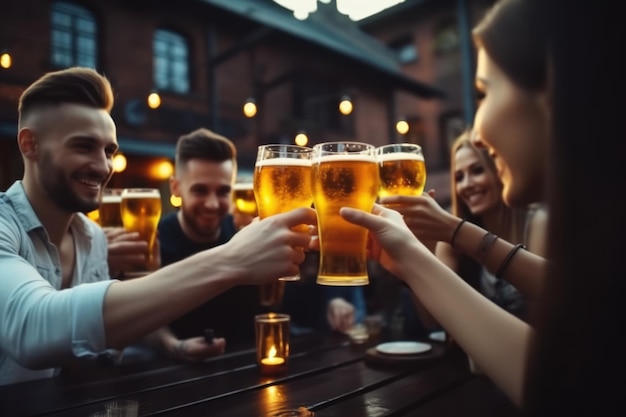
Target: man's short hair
75	85
206	145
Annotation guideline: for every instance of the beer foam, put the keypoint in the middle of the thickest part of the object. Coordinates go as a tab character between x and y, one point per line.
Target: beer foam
400	156
243	186
347	157
300	162
111	199
141	194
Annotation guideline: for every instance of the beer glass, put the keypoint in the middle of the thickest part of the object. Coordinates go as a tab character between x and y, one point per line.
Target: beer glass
243	198
271	295
345	174
402	169
282	181
141	211
110	208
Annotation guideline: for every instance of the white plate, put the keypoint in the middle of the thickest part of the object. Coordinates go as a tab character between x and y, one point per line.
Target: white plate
403	348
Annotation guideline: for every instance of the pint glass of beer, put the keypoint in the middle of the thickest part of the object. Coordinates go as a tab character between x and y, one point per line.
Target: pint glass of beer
345	174
243	198
402	169
282	181
141	211
110	210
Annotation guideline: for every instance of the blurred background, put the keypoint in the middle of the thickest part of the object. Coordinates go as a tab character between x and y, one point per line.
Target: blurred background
256	71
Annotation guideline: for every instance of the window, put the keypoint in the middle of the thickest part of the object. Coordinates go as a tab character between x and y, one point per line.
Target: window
405	50
446	37
74	32
171	62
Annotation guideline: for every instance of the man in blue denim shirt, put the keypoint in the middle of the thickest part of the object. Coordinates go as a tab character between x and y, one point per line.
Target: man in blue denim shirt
57	302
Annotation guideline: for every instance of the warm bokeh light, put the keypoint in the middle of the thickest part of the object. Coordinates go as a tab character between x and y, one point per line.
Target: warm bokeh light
345	106
175	201
402	127
6	60
94	215
162	169
154	100
119	162
301	139
249	108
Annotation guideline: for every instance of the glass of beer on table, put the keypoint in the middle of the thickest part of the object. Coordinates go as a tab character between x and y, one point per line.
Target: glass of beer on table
345	174
402	169
141	210
282	181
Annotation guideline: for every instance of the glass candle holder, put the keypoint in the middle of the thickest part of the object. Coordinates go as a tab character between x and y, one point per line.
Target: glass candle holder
272	342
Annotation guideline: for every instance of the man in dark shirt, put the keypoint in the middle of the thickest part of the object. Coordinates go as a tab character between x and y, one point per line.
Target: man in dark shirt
206	167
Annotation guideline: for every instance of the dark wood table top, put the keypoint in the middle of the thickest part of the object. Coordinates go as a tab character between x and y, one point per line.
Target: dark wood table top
326	376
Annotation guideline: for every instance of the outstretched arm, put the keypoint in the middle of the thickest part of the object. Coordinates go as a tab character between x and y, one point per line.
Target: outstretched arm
495	339
428	221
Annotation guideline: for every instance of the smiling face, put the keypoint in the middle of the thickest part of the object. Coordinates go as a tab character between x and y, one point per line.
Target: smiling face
513	124
476	185
72	155
205	189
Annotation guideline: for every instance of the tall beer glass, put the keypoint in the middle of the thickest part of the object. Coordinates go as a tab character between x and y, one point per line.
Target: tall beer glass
402	169
243	198
282	181
345	174
141	211
110	208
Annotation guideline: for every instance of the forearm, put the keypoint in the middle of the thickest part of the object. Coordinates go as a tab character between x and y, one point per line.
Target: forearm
135	308
525	271
495	339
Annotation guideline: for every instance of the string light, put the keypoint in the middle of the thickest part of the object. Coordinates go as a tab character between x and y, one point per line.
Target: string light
249	108
402	127
345	105
154	100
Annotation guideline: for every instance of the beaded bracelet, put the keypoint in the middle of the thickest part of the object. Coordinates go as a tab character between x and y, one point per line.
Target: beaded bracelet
508	258
456	231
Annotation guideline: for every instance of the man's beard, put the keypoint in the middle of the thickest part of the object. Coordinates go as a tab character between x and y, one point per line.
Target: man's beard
59	189
204	233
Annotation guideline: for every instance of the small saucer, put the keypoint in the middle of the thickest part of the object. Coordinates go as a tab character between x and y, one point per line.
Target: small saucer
403	348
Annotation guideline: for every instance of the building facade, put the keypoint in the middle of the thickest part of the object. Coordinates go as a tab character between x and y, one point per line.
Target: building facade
206	58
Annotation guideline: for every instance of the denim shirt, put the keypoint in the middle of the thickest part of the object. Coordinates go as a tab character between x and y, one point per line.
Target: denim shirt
41	325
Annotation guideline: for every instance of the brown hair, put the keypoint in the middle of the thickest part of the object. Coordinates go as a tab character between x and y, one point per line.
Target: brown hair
514	218
513	39
75	85
206	145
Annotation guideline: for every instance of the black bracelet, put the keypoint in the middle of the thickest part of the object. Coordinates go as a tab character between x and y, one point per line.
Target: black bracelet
456	231
487	241
508	258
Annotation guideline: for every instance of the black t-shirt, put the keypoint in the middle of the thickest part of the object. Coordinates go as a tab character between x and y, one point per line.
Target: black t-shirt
230	314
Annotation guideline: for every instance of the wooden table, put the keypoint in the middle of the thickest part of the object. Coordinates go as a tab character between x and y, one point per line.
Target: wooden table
327	376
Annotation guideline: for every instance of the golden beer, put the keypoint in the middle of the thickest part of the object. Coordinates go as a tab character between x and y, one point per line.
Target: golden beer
401	174
243	198
110	210
282	184
282	181
343	180
141	211
402	169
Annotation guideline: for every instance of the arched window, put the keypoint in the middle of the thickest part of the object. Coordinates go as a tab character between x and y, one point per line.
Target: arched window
171	62
74	36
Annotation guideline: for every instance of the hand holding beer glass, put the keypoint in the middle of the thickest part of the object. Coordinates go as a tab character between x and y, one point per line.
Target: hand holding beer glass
141	210
345	174
402	169
282	181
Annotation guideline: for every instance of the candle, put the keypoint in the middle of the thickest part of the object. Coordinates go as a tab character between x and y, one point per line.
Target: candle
271	358
272	361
